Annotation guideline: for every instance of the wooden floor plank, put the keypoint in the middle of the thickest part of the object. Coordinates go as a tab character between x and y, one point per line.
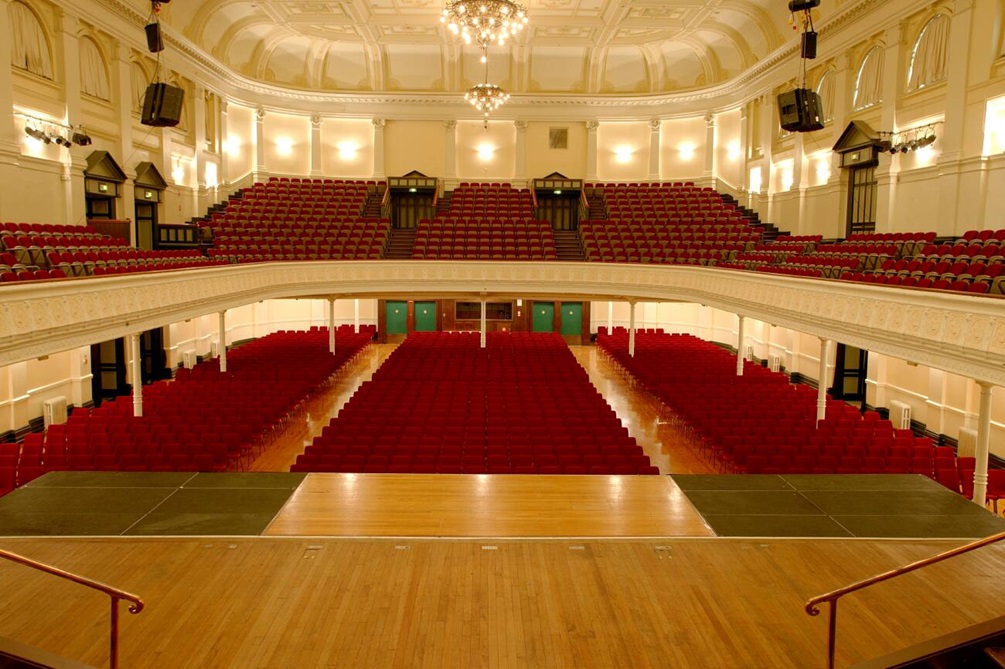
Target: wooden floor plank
438	603
487	506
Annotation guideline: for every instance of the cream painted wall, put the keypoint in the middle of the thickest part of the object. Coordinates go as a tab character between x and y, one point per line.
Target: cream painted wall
683	147
347	148
542	160
728	149
623	151
240	141
486	153
288	143
415	145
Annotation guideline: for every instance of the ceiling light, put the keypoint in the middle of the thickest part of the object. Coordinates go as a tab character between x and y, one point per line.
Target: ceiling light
486	97
484	22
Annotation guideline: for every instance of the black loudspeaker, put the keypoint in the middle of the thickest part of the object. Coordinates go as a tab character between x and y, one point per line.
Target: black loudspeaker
162	105
799	110
154	41
800	5
809	45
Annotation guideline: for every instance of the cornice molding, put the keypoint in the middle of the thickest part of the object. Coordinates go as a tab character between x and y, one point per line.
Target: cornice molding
963	334
720	96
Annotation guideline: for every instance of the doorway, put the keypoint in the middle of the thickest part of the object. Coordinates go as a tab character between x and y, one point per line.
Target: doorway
572	318
425	316
851	367
544	317
397	317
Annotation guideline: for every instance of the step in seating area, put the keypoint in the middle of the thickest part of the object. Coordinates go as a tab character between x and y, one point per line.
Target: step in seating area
37	251
667	223
761	423
486	222
203	420
300	219
442	404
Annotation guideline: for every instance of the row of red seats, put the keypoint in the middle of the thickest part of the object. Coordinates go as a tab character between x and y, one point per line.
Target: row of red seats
440	403
204	420
768	416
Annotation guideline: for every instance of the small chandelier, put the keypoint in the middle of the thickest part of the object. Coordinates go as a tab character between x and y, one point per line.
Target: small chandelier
484	21
486	97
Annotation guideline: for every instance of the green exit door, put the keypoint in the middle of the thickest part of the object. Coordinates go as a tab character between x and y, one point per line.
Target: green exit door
544	317
397	318
425	316
572	318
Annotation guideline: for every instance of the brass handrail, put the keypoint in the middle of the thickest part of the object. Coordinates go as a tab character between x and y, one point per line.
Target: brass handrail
114	593
812	606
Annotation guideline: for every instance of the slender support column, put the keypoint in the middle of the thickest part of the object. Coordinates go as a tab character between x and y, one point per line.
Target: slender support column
481	326
591	149
610	317
631	330
740	336
983	445
378	148
825	352
331	326
654	149
316	168
223	341
355	315
137	373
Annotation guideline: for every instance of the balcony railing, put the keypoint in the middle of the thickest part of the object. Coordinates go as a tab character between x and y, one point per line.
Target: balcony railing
813	606
114	593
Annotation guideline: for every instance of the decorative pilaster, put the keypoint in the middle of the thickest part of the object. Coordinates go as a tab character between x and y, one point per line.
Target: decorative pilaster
316	170
521	150
591	149
450	172
710	145
378	148
654	149
260	167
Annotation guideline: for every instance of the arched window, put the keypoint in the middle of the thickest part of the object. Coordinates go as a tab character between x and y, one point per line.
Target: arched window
93	71
869	83
29	46
930	55
825	89
137	85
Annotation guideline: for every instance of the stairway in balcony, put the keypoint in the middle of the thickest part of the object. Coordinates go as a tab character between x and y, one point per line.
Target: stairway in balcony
400	244
443	204
568	246
769	231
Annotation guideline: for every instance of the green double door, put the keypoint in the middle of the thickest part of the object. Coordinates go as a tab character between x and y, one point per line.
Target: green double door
397	317
571	317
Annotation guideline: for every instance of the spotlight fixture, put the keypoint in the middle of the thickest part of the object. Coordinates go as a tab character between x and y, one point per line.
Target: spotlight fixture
81	138
484	21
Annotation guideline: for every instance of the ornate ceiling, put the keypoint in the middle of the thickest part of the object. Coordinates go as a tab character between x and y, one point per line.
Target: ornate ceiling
606	47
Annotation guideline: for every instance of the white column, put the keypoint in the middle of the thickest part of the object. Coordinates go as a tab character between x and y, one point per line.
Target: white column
199	109
739	345
316	170
610	317
73	178
133	350
591	149
710	148
223	341
260	167
825	352
355	315
331	325
521	150
631	329
983	445
124	113
450	169
654	149
481	325
224	145
378	148
8	140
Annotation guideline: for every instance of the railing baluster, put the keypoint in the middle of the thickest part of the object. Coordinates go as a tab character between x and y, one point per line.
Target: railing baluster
812	606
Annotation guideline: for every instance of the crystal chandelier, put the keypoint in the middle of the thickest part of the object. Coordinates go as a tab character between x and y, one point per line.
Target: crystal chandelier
484	21
486	97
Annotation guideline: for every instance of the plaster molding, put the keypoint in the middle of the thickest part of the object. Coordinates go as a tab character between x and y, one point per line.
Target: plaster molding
963	334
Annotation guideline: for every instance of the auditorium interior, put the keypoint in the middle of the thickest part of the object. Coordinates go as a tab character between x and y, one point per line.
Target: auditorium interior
483	333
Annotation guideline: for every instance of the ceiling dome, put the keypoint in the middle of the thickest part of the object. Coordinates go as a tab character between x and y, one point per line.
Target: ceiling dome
603	47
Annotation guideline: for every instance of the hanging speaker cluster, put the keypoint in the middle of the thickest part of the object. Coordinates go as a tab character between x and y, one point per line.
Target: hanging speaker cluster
162	105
